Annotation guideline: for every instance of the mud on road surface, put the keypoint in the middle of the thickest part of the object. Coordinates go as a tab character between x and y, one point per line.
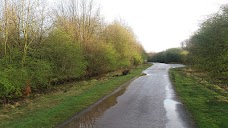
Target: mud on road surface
146	102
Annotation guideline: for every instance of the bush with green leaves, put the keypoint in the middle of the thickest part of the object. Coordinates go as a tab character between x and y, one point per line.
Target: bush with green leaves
6	87
65	55
128	50
14	77
208	47
40	73
12	81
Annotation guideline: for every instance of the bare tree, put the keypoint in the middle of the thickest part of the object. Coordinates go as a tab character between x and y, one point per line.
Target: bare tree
25	22
81	18
5	24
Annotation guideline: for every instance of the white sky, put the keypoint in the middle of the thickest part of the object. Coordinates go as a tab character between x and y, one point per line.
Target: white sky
160	24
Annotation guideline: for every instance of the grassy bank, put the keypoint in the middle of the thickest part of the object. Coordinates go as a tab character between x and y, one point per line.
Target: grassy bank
54	108
208	103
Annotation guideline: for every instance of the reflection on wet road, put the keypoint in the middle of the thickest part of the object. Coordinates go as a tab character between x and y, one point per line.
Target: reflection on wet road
89	118
147	102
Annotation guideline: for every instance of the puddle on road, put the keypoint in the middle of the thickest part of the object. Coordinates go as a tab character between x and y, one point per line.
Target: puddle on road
89	118
171	113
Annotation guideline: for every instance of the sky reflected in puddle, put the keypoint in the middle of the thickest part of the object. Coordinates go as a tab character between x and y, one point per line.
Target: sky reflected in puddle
89	118
170	105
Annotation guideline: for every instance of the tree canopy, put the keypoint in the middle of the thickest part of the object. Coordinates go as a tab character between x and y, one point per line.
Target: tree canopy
37	49
208	47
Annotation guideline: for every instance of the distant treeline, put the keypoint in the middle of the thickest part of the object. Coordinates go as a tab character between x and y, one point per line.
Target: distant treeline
173	55
206	50
39	45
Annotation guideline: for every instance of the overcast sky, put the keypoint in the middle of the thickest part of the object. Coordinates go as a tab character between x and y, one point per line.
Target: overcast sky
160	24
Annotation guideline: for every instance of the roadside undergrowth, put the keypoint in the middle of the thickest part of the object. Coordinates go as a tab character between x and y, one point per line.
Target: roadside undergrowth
52	109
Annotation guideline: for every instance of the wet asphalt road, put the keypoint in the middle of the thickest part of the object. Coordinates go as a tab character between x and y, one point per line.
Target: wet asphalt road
148	102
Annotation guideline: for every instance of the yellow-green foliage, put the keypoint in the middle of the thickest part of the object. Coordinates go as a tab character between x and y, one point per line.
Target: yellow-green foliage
123	40
35	52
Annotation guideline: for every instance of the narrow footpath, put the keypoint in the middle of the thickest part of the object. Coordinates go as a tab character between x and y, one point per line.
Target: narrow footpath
147	102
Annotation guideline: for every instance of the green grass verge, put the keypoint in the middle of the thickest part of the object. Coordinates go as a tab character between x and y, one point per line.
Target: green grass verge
52	109
207	103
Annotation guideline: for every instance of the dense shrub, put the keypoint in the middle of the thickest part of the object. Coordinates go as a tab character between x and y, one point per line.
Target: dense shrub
208	47
64	54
